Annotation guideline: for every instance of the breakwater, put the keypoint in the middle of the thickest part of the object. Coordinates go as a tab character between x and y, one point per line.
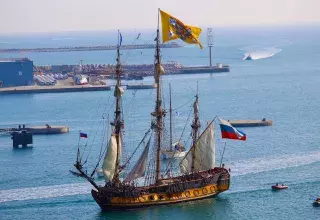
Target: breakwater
133	70
89	48
52	89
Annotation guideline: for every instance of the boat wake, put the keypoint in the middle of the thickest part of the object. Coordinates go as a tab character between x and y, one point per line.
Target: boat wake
44	192
261	54
258	165
241	167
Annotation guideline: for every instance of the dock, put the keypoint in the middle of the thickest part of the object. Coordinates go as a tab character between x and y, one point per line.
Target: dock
204	69
46	129
141	86
250	123
52	89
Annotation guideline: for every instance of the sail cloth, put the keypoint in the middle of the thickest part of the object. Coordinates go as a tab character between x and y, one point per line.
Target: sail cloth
139	168
173	28
159	70
109	162
204	153
118	91
229	132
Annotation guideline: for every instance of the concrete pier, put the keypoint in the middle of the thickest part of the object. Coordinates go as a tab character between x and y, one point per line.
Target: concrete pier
142	86
46	129
250	123
52	89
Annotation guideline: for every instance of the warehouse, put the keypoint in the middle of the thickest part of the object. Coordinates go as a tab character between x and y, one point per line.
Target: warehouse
16	72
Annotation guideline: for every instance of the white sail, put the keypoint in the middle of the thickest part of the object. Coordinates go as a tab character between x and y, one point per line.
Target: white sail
204	153
110	158
118	91
139	168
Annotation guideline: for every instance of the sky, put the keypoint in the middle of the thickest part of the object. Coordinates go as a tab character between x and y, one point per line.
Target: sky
27	16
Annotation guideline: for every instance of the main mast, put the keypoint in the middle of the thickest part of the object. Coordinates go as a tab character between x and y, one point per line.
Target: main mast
170	118
118	121
159	113
195	130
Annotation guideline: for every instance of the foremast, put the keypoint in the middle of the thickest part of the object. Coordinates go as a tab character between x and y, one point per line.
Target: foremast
118	120
159	112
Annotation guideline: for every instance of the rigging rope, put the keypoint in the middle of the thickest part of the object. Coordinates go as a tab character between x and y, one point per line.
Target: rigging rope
170	163
102	144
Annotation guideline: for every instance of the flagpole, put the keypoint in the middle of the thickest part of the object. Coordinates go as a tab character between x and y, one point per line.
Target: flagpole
78	153
224	148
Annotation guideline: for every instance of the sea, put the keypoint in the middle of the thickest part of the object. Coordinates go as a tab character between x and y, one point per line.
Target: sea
281	83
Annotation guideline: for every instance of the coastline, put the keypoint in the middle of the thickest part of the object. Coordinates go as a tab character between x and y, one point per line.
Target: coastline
52	89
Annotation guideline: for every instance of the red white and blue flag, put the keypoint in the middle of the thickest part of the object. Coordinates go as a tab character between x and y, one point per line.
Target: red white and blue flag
83	135
228	131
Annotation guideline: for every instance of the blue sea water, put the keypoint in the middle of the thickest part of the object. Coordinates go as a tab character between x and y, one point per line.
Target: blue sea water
35	183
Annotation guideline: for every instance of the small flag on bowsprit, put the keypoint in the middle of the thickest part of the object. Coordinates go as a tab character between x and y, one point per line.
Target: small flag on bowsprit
83	135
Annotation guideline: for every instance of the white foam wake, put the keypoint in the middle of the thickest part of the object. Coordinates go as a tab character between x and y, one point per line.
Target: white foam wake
44	192
261	54
241	167
264	164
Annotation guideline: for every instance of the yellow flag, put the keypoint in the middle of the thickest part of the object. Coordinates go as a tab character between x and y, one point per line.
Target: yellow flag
173	28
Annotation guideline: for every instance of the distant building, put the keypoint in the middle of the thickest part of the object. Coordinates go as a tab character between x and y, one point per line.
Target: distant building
62	68
16	72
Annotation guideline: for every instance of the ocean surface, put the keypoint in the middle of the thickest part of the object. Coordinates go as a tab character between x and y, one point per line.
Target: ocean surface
282	84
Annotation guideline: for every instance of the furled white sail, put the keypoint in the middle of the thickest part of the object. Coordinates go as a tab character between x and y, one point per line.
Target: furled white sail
159	70
118	91
139	168
110	158
204	153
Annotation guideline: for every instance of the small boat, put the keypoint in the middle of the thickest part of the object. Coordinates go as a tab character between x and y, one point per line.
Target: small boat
177	151
317	202
279	187
247	57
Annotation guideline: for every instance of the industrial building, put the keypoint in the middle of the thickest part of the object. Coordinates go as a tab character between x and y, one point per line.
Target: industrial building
16	72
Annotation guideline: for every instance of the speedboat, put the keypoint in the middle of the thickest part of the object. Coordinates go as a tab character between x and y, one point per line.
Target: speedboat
248	57
279	187
317	202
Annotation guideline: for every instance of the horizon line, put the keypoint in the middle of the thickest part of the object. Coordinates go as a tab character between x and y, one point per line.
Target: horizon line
204	27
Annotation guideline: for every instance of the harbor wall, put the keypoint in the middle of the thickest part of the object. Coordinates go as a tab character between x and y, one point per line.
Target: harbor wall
54	89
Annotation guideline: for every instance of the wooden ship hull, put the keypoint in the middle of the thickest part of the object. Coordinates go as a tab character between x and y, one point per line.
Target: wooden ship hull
198	186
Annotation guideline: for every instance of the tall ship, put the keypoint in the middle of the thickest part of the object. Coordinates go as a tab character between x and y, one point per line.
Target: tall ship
148	182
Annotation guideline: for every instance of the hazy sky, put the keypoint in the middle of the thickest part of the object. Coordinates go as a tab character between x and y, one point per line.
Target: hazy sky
65	15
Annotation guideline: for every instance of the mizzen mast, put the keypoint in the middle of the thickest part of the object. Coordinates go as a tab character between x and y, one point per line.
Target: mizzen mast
170	118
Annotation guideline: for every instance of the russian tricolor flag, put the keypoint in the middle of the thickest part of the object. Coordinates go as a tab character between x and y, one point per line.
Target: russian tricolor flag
228	131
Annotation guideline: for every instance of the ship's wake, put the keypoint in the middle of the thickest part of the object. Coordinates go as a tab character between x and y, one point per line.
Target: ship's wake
261	54
241	167
264	164
44	192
